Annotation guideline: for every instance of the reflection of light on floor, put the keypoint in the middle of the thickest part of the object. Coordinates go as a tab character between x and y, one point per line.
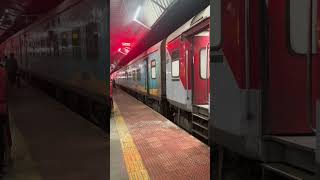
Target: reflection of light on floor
131	155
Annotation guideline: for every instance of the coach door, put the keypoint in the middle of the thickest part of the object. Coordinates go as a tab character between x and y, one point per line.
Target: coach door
201	82
293	80
146	74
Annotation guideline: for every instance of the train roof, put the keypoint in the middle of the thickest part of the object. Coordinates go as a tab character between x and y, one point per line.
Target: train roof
150	50
203	15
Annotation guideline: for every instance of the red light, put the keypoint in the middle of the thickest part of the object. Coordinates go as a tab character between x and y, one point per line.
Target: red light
124	50
125	44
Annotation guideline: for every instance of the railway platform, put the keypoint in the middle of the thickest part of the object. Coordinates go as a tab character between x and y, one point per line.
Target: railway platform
51	142
151	146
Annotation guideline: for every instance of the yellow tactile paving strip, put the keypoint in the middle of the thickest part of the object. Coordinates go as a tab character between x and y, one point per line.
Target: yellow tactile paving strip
135	167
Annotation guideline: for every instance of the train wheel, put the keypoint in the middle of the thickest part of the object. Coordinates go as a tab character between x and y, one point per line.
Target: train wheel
84	107
100	115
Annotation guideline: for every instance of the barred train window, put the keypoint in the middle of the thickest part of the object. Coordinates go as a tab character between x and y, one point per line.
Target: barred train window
299	25
203	63
153	69
76	39
92	40
130	75
175	64
138	74
134	75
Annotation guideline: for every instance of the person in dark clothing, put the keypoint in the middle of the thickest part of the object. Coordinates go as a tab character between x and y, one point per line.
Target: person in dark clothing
113	83
12	67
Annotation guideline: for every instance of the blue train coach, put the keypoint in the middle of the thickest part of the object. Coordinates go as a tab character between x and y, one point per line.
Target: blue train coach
66	53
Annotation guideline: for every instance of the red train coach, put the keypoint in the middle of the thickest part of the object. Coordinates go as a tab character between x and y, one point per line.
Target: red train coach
265	74
173	76
187	74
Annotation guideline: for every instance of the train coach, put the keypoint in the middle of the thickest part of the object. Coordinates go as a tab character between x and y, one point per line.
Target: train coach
65	52
265	89
173	76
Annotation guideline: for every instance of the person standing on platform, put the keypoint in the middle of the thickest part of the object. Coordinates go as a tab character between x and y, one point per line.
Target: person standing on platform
113	83
12	67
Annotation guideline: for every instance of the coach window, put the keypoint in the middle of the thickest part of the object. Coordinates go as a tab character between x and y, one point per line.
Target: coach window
38	48
215	11
43	47
175	64
76	48
55	45
138	74
299	25
130	75
134	75
153	69
92	40
203	63
64	43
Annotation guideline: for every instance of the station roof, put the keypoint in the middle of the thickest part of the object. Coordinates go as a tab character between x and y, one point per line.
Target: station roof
139	23
17	14
131	20
142	23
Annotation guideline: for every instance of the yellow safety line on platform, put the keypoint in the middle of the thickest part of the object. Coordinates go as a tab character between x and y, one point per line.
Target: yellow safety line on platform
131	155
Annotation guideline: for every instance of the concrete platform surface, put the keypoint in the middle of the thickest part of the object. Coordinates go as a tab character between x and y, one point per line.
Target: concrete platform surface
52	143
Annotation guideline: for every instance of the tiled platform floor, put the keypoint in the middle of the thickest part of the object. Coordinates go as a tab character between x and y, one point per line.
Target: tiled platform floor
167	151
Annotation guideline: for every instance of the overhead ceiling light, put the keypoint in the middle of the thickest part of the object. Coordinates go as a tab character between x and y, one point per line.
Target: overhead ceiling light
137	13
